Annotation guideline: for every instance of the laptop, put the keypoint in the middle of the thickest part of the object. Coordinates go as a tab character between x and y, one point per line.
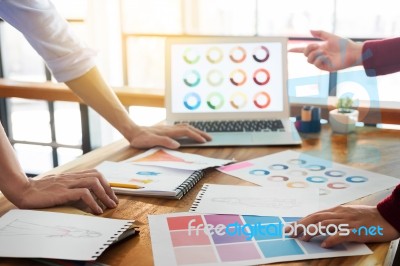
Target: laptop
234	88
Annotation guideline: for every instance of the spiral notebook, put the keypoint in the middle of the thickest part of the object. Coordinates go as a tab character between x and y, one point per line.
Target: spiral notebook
41	234
152	181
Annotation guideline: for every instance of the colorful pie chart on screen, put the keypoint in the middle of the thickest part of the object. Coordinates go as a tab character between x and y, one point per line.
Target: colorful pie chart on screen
262	100
237	54
238	77
261	76
261	54
192	78
192	101
238	100
215	78
215	100
191	56
214	55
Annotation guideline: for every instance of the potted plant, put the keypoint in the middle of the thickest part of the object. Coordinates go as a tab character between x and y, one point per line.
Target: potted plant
344	118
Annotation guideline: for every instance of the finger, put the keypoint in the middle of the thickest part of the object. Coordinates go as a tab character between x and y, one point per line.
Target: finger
307	237
154	140
313	55
99	191
91	181
297	50
338	239
186	132
166	142
94	173
104	183
311	48
326	227
84	195
320	34
323	62
204	134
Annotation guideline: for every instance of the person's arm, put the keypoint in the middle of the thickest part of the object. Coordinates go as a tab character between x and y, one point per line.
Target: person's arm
378	57
51	190
332	53
70	61
381	56
389	208
96	93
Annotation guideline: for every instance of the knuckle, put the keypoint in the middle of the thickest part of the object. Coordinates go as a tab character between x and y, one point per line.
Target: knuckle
94	171
84	194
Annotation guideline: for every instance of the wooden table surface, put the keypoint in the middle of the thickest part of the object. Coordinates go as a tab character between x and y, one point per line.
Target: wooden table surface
369	148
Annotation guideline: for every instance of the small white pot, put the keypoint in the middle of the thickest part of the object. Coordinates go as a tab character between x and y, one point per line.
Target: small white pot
343	122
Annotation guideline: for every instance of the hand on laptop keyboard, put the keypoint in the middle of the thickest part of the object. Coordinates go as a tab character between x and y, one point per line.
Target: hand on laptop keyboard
166	136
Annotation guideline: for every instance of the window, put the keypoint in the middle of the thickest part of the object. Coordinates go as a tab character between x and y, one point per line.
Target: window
33	133
367	19
129	36
294	18
220	17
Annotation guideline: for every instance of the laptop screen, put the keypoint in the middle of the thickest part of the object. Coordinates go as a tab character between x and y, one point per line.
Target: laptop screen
227	77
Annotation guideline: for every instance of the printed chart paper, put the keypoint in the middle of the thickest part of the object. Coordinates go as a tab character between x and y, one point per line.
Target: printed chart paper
174	243
337	183
256	200
40	234
175	159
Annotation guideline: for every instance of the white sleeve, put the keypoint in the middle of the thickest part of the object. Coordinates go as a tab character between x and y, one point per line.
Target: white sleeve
50	35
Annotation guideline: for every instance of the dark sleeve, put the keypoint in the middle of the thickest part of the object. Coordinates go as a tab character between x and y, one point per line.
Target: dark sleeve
381	56
389	208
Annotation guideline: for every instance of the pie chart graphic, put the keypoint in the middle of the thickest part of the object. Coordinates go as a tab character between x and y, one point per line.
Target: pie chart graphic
262	100
215	100
192	101
214	55
215	78
238	100
238	77
237	54
191	56
261	76
191	78
261	54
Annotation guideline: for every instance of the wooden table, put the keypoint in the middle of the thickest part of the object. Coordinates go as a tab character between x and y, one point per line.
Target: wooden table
369	148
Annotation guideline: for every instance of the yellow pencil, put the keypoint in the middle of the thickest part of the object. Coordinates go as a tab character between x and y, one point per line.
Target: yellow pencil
123	185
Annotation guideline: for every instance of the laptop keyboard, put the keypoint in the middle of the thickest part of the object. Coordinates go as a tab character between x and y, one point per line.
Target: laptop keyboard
237	126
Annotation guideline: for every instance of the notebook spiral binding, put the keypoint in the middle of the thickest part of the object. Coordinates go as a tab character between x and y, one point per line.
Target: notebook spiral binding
189	183
198	198
112	239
